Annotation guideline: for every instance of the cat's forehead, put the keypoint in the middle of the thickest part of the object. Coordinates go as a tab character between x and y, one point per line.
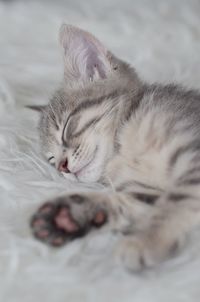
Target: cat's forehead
61	106
66	100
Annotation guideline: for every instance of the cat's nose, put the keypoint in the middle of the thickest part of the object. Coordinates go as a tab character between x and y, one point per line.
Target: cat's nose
63	166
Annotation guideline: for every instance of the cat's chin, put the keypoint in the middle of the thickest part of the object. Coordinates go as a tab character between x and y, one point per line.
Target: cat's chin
70	177
90	173
89	176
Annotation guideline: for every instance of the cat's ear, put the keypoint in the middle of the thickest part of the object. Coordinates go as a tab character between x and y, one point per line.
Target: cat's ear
85	58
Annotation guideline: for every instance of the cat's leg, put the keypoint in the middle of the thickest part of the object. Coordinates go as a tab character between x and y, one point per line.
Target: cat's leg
68	217
164	236
178	213
154	223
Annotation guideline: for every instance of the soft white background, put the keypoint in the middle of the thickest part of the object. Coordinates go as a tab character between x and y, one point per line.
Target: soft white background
162	40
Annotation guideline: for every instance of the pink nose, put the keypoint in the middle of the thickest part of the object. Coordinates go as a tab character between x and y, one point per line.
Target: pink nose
63	166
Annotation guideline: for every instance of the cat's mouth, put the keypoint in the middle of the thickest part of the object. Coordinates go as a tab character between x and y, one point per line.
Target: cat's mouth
87	166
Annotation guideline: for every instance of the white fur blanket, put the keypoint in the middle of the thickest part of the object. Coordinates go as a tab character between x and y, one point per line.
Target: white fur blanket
162	40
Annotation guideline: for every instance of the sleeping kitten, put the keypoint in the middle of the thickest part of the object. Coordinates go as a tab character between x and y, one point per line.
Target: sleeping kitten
143	141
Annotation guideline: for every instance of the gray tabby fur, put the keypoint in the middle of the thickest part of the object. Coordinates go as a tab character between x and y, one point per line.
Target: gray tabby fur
142	141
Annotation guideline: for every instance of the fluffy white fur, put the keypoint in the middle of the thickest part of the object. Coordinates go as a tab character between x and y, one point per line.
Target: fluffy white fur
162	40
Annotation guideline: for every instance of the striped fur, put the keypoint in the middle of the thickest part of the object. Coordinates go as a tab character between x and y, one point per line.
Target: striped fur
153	176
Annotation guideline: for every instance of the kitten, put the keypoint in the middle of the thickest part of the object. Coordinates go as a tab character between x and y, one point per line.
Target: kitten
142	141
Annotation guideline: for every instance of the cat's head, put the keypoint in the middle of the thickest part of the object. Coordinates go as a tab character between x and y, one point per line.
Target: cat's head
79	126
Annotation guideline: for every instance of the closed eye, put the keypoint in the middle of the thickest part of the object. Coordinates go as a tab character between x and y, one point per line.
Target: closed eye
51	160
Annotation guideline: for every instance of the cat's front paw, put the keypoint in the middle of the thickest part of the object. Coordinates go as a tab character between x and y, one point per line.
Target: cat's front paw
66	218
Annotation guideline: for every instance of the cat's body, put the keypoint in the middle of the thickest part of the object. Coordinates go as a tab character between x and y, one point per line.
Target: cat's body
142	141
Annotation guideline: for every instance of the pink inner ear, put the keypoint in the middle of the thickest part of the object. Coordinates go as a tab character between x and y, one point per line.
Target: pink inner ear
94	61
85	56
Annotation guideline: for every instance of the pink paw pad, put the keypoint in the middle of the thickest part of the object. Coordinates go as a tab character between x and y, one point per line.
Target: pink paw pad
64	221
100	218
38	223
43	234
